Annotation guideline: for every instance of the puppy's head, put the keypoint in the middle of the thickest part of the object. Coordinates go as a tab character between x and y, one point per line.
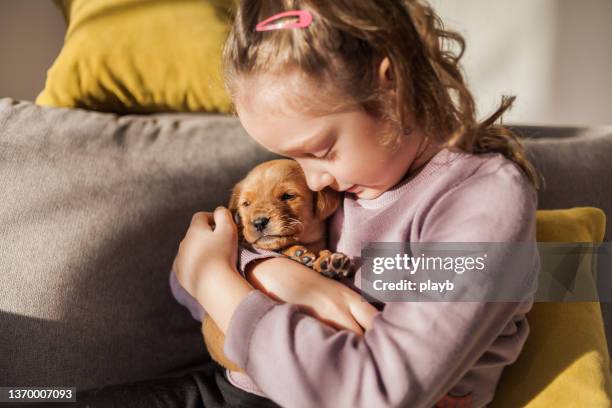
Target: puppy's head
274	208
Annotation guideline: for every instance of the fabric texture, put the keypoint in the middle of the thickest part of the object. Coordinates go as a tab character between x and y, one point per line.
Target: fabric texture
207	387
141	56
574	166
565	361
93	209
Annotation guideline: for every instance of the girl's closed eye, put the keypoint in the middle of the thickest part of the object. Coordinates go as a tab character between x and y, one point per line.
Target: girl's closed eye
327	153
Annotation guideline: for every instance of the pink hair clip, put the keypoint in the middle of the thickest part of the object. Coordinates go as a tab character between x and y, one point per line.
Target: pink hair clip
304	20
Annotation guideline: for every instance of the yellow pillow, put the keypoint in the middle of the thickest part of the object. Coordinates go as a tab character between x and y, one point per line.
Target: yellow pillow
565	361
141	56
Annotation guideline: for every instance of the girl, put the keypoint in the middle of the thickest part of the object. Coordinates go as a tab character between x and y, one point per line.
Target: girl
369	99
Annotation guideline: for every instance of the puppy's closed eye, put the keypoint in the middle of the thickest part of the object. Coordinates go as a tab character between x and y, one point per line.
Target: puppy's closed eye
287	196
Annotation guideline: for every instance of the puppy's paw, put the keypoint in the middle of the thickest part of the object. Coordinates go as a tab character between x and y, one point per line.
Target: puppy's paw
300	254
333	265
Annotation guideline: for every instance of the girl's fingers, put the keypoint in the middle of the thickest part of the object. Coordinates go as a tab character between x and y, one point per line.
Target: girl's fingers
223	218
344	323
342	318
364	313
355	327
209	220
201	219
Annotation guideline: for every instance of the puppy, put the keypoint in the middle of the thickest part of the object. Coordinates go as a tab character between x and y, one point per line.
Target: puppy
274	209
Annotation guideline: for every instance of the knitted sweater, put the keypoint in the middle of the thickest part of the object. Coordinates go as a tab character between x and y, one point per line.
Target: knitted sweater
415	352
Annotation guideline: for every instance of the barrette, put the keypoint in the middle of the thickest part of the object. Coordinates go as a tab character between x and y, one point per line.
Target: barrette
304	20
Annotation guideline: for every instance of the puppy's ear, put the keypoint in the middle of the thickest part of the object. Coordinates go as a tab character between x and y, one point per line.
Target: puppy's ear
233	203
326	202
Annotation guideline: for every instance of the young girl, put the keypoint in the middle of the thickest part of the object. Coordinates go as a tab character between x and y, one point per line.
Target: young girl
369	99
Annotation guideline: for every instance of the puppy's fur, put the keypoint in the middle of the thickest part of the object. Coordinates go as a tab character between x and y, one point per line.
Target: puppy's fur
275	210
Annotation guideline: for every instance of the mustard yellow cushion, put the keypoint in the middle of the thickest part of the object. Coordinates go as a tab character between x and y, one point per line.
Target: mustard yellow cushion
141	56
565	362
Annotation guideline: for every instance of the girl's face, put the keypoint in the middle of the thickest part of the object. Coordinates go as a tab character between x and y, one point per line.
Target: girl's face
339	150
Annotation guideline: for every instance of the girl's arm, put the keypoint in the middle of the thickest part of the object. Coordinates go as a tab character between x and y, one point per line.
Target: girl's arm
206	268
291	282
329	301
285	280
415	352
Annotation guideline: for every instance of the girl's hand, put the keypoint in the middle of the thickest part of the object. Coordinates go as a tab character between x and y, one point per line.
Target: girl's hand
329	301
205	252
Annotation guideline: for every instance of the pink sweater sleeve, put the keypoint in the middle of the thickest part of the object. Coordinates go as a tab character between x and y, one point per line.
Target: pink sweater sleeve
415	352
248	253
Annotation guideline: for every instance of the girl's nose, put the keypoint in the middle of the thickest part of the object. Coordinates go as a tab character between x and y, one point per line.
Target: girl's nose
317	180
317	177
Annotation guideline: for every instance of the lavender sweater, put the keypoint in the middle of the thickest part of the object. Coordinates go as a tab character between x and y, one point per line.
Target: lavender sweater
415	352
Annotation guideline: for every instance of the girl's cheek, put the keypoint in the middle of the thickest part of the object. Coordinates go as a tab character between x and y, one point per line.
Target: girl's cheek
346	174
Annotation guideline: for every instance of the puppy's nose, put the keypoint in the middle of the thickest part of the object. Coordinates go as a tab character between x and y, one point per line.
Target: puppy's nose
260	223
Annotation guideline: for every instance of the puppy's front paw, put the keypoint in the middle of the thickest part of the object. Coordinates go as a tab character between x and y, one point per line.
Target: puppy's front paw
300	254
333	264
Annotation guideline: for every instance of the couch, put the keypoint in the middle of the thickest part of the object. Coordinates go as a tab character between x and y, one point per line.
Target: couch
94	206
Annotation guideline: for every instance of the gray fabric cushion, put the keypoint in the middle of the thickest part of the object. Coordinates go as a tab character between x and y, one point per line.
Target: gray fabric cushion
576	167
93	208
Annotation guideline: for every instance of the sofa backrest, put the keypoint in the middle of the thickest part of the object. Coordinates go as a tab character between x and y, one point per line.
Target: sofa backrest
92	212
576	165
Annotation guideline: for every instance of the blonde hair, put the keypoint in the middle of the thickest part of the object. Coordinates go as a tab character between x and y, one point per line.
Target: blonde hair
345	45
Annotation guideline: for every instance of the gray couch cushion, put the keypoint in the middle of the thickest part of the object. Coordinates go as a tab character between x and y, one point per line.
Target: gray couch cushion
576	164
93	208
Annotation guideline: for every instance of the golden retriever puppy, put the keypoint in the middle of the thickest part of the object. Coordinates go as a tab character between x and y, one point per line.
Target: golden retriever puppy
274	209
